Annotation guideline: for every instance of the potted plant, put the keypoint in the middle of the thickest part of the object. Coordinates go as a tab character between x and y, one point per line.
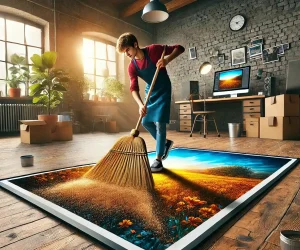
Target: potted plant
19	73
113	88
48	85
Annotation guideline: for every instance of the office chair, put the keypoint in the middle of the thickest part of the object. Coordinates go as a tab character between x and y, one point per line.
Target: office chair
202	116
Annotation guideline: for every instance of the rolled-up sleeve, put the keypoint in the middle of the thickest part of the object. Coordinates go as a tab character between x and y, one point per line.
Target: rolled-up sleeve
134	84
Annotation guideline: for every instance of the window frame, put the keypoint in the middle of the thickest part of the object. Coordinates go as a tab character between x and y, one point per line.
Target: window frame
106	42
25	21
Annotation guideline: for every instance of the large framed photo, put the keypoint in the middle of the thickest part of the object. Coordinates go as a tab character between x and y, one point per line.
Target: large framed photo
192	53
238	56
270	55
255	50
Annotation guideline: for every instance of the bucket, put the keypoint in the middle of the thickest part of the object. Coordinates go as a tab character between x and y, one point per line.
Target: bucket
27	160
64	117
234	129
290	240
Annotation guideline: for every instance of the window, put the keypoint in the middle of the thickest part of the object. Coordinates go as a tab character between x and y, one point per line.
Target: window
99	60
17	36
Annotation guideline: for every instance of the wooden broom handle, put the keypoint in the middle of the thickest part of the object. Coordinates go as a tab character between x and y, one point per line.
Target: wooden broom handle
150	90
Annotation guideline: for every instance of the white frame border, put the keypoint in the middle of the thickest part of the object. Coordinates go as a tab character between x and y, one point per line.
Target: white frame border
189	241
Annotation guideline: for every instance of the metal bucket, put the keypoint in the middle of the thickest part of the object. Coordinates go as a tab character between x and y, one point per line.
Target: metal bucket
290	240
64	117
234	129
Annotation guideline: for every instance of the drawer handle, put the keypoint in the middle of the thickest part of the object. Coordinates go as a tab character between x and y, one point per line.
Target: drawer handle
251	108
251	124
251	102
184	116
251	115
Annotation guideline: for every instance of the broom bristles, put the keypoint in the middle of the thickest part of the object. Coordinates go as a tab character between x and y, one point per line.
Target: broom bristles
126	164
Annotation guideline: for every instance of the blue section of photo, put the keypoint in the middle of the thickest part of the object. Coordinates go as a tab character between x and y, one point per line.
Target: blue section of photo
230	74
183	158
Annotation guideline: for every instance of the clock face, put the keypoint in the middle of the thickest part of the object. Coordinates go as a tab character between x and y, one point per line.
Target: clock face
237	22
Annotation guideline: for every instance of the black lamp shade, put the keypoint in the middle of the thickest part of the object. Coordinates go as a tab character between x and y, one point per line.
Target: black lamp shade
155	12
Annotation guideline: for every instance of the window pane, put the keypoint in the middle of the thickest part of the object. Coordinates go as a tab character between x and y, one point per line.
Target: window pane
88	65
33	36
88	48
15	31
100	50
111	68
91	78
2	70
2	88
8	71
111	50
2	51
100	67
15	49
99	82
32	51
2	36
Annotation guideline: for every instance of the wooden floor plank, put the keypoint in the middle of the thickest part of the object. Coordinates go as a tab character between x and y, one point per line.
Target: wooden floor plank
258	227
14	208
42	239
21	232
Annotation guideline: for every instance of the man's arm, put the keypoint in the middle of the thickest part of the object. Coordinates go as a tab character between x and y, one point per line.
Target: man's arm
138	99
164	62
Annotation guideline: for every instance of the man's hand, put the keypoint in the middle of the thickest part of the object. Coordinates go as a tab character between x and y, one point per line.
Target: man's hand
162	63
142	110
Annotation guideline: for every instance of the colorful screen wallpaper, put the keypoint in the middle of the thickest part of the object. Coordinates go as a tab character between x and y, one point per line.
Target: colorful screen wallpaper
195	185
231	79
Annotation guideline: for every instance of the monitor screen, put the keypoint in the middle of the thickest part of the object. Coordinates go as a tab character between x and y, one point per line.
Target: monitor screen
232	81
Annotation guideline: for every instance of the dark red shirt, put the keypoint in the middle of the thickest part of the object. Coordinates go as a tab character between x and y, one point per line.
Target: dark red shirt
154	52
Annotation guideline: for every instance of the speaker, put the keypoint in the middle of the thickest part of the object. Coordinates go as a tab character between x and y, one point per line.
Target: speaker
269	86
188	89
293	77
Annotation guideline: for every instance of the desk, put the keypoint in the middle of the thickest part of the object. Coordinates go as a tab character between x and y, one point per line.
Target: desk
232	109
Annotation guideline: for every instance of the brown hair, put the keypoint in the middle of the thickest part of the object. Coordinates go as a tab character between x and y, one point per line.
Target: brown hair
125	40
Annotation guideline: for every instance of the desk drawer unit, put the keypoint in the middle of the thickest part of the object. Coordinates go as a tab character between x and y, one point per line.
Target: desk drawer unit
252	110
185	117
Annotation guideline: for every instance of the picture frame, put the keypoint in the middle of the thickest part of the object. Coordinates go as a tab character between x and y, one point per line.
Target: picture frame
257	40
255	50
238	56
286	46
270	55
280	50
192	53
221	58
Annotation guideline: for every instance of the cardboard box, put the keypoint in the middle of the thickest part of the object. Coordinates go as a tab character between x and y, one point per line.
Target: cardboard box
34	131
282	105
252	127
63	131
281	128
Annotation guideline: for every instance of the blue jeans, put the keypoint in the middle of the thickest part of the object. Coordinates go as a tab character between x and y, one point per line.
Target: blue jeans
159	132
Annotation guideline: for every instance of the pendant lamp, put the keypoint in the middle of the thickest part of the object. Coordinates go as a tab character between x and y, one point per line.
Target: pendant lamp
155	12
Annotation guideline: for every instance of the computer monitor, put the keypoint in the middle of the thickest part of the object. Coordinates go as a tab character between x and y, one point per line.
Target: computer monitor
232	81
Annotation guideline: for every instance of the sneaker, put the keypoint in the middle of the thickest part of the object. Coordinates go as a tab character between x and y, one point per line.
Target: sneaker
157	166
168	146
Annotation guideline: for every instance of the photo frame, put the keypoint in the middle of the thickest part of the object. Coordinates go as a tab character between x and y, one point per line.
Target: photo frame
270	55
221	58
257	40
238	56
255	50
280	50
192	53
286	46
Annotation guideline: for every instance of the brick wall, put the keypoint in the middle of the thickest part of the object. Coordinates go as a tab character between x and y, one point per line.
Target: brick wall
205	25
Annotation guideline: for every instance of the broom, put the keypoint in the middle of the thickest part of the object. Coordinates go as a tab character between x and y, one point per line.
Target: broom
127	163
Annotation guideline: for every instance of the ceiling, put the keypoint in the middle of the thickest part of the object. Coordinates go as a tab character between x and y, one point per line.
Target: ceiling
130	7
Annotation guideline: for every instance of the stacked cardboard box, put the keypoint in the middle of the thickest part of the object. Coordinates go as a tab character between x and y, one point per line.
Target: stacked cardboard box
281	119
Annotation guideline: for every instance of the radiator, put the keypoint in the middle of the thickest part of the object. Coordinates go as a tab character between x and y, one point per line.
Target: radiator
11	114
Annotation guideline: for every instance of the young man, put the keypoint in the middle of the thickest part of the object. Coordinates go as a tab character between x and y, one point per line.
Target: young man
156	114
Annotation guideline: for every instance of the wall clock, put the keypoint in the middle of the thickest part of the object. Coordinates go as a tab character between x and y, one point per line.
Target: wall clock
237	22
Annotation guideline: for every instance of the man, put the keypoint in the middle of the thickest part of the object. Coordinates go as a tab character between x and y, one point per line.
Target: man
156	114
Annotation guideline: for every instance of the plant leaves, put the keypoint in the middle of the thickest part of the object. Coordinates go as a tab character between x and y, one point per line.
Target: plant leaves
37	61
49	59
59	87
35	89
37	99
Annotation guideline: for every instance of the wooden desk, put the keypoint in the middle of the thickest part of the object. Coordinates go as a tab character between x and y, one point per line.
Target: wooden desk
229	111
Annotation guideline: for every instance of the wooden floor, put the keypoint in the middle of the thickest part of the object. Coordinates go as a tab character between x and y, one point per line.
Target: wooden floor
23	226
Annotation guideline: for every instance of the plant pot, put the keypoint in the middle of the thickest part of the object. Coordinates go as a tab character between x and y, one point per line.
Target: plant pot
94	97
51	120
14	92
113	99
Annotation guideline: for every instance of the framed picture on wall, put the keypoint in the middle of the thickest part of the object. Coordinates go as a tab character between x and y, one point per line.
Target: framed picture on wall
238	56
270	55
192	53
255	50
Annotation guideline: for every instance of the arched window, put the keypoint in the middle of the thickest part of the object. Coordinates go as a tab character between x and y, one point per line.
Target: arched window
99	60
17	36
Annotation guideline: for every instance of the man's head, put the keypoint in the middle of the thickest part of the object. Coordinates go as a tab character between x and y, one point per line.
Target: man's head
127	43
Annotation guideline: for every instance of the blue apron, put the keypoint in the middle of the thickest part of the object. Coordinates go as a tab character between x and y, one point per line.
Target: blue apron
158	106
